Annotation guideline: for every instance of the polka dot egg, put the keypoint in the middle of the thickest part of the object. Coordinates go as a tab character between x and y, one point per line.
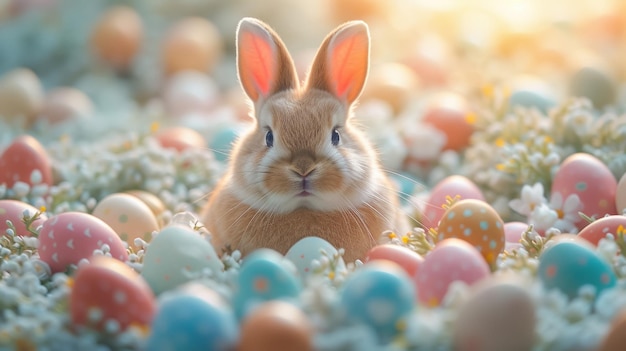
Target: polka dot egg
449	187
477	223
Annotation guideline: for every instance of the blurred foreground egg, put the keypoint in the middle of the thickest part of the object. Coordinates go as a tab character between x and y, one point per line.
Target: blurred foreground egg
450	114
63	104
305	250
21	96
180	139
449	187
191	44
21	158
117	36
13	210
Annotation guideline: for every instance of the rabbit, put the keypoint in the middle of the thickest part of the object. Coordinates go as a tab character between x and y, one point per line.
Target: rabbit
303	168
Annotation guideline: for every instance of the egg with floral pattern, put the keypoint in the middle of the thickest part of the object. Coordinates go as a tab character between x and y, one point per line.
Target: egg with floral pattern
477	223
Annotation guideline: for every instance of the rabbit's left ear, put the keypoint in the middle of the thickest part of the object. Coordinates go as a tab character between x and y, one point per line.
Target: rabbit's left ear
342	62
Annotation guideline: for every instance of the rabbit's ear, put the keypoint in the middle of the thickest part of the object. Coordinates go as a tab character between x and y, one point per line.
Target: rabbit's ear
342	62
264	65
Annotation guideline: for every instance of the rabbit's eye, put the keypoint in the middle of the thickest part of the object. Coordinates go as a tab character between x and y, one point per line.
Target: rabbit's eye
335	137
269	138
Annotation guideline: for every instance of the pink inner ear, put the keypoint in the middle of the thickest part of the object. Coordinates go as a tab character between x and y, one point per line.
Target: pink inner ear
348	66
258	62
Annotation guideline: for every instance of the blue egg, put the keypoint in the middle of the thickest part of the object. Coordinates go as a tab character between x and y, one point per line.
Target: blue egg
406	183
381	295
191	320
222	142
264	276
529	98
568	266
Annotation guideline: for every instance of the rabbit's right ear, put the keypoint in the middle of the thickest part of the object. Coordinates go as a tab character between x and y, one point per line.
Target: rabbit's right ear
264	65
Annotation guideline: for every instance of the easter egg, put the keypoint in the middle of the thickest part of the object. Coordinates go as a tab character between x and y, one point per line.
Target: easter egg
595	84
117	36
276	326
477	223
615	338
531	92
69	237
263	276
13	210
21	158
404	257
568	266
174	254
449	261
193	318
106	289
222	142
448	188
21	96
154	203
513	234
191	44
130	217
450	114
598	229
380	295
180	139
620	196
591	180
63	104
485	319
189	92
393	83
310	248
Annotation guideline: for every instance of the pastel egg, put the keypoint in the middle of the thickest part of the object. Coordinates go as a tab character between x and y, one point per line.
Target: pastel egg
513	234
404	257
532	92
568	266
591	180
222	142
406	183
620	196
276	326
116	37
307	249
64	104
191	44
449	261
129	216
393	83
69	237
448	188
21	158
189	92
380	295
13	210
615	338
477	223
595	84
21	96
450	114
154	203
180	139
193	318
598	229
174	254
263	276
484	320
107	290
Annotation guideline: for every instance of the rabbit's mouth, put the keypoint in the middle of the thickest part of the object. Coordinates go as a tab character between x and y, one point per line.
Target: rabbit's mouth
304	193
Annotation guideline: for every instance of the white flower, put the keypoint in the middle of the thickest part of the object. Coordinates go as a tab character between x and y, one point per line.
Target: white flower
531	197
542	217
567	211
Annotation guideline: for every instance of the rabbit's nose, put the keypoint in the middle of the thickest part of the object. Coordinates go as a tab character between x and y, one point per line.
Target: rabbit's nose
303	173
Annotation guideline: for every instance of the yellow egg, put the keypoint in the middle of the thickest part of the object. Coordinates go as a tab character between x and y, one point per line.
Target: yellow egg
192	44
117	36
65	103
21	96
154	203
129	216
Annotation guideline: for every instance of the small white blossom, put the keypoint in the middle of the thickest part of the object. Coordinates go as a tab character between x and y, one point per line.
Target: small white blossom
567	211
531	197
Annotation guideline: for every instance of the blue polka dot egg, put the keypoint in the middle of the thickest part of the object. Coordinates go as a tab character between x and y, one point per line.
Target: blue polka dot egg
568	266
476	222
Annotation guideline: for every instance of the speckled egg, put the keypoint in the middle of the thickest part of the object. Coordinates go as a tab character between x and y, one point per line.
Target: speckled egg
21	158
380	295
586	176
174	255
620	195
117	36
180	139
498	314
130	217
449	261
64	104
568	265
276	326
191	44
477	223
449	187
305	250
193	318
615	338
13	210
450	114
598	229
106	290
67	238
21	96
404	257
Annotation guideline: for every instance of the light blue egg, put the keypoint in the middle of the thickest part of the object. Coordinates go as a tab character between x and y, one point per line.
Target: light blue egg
187	320
222	142
263	276
406	183
530	98
381	295
568	266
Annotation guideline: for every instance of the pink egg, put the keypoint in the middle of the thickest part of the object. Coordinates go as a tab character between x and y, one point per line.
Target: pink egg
513	234
62	104
190	92
451	114
24	156
451	260
448	187
406	258
67	238
620	196
586	176
180	138
598	229
13	210
108	290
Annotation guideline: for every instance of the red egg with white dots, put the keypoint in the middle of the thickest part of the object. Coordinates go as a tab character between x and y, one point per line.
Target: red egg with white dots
69	237
13	210
106	290
597	230
21	158
450	187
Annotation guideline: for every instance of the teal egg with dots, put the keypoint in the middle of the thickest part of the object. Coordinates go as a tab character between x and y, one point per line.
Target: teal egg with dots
264	275
568	266
477	223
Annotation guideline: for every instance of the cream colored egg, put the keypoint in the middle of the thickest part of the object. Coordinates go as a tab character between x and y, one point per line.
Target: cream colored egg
154	203
65	103
21	96
129	216
192	44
